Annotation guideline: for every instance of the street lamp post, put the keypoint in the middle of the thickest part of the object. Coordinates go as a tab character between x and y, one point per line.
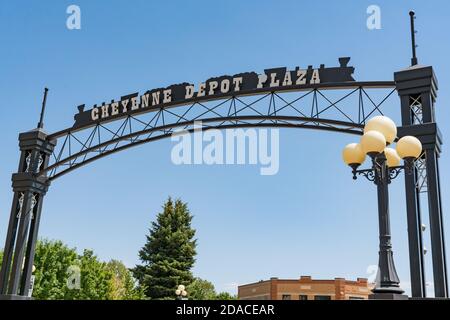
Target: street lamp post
380	132
181	292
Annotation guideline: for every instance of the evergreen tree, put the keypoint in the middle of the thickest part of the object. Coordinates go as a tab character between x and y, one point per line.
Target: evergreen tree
169	253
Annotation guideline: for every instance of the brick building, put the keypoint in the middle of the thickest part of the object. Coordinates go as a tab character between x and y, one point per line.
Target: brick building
305	288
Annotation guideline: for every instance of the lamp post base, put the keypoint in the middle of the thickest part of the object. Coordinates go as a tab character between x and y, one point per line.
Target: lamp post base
14	297
388	296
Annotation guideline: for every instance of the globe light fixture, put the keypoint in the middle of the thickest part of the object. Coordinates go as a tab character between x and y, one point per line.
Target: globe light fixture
409	147
384	125
379	132
353	154
392	157
181	292
373	142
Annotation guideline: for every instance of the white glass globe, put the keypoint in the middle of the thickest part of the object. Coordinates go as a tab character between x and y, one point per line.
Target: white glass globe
409	147
373	142
392	157
384	125
353	154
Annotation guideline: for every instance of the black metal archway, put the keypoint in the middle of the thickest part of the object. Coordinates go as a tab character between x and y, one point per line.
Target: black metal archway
338	106
341	108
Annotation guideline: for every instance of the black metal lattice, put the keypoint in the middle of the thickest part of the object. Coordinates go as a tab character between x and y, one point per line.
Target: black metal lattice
343	110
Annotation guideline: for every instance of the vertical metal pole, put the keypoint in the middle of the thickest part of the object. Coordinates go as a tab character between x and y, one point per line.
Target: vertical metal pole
442	230
413	38
9	245
11	234
389	280
19	252
414	221
436	226
29	256
41	119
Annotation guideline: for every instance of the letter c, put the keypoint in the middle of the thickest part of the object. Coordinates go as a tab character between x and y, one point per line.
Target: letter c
94	114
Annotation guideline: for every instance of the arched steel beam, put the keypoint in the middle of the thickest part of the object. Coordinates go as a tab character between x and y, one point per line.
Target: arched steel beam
306	123
246	114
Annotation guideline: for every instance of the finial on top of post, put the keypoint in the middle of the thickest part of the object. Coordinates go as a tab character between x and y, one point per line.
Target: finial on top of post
413	39
41	119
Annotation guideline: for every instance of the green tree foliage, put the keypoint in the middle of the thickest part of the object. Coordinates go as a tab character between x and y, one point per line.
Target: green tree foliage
95	279
169	253
201	289
225	296
52	261
61	273
123	284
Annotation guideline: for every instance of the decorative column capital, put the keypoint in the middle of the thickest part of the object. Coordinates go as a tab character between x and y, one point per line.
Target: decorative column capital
416	80
36	139
27	181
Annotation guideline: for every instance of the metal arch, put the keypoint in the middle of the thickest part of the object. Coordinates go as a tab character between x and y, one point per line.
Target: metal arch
280	109
139	142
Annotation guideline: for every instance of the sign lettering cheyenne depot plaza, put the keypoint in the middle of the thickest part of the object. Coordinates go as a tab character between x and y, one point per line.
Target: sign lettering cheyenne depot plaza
215	88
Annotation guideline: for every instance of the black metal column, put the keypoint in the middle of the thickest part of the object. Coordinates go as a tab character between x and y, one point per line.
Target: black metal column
389	282
414	222
29	256
19	250
29	190
436	225
32	238
417	87
9	244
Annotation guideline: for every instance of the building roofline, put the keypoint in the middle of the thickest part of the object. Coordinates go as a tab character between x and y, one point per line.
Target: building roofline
256	282
358	281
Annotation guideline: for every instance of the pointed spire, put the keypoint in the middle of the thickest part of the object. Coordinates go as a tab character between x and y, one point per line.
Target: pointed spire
41	119
413	39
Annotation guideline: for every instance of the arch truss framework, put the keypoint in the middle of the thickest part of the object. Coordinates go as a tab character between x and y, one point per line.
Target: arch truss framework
344	110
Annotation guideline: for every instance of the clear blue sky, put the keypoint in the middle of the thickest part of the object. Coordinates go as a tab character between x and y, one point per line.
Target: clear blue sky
309	219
